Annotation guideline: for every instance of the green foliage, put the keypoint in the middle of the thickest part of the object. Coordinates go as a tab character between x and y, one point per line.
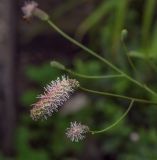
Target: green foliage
145	147
24	148
41	74
147	21
89	68
2	157
29	96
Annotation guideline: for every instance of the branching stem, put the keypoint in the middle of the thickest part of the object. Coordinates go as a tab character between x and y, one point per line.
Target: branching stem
100	58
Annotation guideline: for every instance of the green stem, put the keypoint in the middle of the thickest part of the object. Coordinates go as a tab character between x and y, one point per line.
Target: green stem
98	57
93	77
60	66
114	124
118	96
124	34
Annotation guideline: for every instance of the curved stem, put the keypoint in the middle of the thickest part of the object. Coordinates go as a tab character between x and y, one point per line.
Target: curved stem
99	57
118	96
114	124
60	66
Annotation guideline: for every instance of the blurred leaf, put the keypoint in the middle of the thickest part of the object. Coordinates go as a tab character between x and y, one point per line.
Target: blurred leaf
22	142
3	158
29	97
42	74
140	55
153	47
149	11
111	144
65	7
121	86
104	9
89	68
25	151
120	15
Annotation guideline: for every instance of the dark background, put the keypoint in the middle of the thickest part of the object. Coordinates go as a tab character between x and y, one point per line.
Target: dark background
26	50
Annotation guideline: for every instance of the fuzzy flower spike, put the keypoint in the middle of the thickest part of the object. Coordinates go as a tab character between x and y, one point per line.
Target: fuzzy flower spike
56	93
31	9
76	131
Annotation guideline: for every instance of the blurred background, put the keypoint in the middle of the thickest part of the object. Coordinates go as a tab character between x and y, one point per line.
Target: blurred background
26	50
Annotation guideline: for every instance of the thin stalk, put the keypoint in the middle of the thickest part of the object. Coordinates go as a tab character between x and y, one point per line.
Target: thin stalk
117	95
93	77
114	124
60	66
99	57
128	57
123	36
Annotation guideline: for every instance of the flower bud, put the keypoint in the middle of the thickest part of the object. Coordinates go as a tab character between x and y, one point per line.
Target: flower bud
124	34
57	65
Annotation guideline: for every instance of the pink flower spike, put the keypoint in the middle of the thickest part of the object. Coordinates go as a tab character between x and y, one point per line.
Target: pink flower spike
55	95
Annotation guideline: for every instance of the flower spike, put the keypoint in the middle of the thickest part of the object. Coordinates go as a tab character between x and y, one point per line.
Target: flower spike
56	93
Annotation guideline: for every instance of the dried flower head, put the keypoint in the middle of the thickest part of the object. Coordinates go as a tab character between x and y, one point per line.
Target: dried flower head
56	93
31	9
76	131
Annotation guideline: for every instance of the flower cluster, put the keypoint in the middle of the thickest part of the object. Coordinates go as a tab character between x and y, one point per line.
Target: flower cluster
56	93
76	131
